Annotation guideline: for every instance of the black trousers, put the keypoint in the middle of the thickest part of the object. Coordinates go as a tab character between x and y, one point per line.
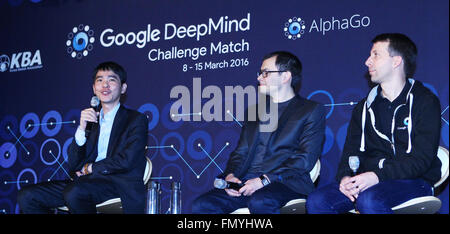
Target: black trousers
267	200
80	195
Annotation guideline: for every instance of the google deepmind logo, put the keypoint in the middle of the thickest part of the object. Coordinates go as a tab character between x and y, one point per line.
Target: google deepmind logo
80	41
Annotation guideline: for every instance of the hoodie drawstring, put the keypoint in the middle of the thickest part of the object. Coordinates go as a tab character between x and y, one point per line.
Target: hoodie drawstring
410	123
363	125
363	145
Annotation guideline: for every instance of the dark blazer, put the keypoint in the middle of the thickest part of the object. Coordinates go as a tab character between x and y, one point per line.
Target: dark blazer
125	161
293	148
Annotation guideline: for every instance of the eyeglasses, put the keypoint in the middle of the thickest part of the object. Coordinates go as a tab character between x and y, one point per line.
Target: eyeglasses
265	73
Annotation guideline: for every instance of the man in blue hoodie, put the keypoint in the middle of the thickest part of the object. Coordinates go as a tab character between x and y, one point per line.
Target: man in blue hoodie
394	131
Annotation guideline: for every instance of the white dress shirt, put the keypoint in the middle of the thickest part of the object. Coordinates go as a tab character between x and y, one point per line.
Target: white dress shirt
106	122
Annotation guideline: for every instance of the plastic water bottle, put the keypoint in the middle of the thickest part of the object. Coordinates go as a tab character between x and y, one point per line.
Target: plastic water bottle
153	205
175	198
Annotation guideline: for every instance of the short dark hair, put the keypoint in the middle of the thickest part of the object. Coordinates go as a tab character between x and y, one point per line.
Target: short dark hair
401	45
286	61
112	66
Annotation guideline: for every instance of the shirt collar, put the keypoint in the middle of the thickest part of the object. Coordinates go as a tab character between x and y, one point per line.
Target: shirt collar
110	115
400	99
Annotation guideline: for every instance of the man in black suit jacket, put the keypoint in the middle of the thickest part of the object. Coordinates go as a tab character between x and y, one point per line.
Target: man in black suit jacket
106	161
273	166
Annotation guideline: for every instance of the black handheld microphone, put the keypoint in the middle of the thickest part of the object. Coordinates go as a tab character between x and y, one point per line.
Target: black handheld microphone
222	184
94	104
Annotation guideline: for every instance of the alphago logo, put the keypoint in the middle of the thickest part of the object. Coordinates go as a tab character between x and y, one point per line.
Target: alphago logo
80	41
295	27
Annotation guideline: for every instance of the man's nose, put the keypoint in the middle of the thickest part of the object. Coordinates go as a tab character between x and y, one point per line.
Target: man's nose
368	62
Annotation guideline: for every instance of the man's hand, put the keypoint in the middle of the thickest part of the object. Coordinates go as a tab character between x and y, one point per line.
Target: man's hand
85	171
232	192
352	186
251	186
88	115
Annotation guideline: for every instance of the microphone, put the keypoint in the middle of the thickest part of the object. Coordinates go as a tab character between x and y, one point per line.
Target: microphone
222	184
353	162
94	104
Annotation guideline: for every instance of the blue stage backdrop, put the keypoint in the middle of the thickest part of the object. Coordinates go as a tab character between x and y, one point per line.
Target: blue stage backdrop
49	48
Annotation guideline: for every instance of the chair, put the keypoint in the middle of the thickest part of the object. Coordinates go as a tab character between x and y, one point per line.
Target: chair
114	205
425	204
296	206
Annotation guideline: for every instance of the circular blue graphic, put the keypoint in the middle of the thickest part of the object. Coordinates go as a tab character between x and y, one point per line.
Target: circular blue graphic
52	156
193	148
171	170
431	88
228	115
351	97
80	41
6	206
26	179
199	115
406	121
57	123
202	182
224	137
168	147
152	141
74	116
329	140
66	148
148	107
294	28
27	129
8	155
331	105
7	182
29	156
8	125
167	120
52	174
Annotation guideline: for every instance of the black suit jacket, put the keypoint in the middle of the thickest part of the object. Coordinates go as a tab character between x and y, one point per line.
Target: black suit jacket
125	161
293	148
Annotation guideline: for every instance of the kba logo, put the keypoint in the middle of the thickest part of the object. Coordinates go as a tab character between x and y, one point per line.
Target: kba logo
21	61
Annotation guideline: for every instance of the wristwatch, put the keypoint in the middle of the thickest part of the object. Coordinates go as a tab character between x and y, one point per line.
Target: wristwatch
264	180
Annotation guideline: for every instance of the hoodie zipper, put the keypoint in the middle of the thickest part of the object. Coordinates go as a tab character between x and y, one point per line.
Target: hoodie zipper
393	128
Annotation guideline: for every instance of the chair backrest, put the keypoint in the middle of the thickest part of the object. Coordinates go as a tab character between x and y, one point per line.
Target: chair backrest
148	170
315	172
443	156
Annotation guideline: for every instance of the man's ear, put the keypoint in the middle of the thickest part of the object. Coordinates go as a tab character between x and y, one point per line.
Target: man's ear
398	60
124	88
286	77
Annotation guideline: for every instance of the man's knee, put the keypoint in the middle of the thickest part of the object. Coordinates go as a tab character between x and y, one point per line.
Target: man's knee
25	196
72	193
202	204
262	203
315	201
369	202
